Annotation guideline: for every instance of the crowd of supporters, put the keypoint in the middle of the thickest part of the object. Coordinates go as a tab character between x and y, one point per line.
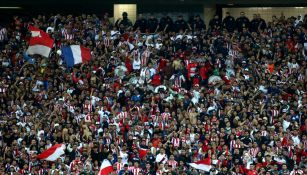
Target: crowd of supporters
232	91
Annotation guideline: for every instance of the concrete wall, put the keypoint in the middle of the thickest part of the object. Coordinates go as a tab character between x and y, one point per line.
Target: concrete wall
209	12
266	12
131	9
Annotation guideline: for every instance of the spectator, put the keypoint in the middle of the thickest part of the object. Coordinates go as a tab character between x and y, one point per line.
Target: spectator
242	22
180	24
197	24
123	23
153	103
140	24
215	23
152	24
229	22
166	24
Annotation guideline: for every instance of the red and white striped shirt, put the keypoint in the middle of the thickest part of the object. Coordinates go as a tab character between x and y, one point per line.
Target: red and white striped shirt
297	172
43	171
145	58
162	125
107	41
178	79
187	62
123	115
119	141
192	69
88	107
135	170
254	151
274	114
176	142
67	35
166	116
232	143
172	163
235	146
119	166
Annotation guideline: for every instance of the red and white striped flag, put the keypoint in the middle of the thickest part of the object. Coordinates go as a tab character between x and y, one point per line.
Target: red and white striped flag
204	164
40	42
53	153
106	168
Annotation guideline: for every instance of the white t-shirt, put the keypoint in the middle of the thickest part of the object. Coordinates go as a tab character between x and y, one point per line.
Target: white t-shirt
124	156
136	64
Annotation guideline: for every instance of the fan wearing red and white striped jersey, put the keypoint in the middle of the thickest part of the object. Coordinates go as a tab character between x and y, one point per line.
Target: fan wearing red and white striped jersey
166	116
297	172
192	69
135	169
237	144
145	57
161	124
176	140
24	170
67	34
87	106
145	75
123	115
274	113
254	150
177	80
74	164
119	164
107	41
172	162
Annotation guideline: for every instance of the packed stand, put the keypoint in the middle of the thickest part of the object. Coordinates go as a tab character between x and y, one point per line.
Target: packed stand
232	92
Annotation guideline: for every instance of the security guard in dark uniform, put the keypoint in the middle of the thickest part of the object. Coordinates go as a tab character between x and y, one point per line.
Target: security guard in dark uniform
242	22
229	22
152	24
140	23
180	24
166	24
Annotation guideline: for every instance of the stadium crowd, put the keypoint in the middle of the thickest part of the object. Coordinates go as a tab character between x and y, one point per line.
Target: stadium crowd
233	91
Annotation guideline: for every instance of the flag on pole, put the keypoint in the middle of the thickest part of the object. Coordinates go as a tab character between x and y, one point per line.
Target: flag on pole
53	153
75	54
40	42
106	168
204	164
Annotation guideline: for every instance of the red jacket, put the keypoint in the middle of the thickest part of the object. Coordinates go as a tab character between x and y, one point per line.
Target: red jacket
156	80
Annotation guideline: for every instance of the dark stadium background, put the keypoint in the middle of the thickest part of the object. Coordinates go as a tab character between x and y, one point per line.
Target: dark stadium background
101	6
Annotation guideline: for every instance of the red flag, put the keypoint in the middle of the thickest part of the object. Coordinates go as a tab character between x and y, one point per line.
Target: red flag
106	168
53	153
142	152
204	164
40	42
